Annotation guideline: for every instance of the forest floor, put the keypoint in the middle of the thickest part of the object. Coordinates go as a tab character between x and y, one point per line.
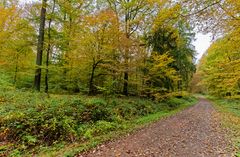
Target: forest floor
194	132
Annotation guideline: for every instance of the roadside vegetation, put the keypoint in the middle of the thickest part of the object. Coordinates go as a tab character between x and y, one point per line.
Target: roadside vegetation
35	121
230	113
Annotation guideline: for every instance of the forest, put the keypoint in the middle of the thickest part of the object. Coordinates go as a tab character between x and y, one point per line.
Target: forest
97	47
77	73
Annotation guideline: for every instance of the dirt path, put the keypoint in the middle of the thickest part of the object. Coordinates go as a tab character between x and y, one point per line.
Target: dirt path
194	132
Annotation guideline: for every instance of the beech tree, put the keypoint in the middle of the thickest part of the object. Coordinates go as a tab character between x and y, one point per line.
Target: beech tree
220	67
174	37
49	45
37	80
107	46
16	40
216	16
97	44
131	14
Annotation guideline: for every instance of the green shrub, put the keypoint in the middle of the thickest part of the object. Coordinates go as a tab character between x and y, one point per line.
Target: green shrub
28	119
174	102
95	110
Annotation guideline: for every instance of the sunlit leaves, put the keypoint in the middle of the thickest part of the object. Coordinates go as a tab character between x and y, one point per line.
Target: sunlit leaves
100	42
221	66
161	67
16	40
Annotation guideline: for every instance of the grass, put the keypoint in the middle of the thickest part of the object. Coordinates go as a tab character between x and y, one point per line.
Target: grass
64	125
230	112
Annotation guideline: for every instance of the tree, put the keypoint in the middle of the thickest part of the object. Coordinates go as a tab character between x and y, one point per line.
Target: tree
159	74
49	46
215	16
37	80
220	67
69	18
131	14
174	36
16	41
97	44
100	45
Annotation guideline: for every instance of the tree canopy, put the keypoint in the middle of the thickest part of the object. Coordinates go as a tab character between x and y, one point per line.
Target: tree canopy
111	46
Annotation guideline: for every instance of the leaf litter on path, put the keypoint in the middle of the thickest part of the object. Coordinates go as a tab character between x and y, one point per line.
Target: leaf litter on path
194	132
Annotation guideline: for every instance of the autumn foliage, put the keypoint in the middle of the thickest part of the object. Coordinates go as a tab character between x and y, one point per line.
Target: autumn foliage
117	47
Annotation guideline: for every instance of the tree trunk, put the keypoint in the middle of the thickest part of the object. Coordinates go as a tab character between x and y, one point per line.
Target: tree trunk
91	85
127	32
92	88
15	74
37	81
49	48
125	87
126	75
16	71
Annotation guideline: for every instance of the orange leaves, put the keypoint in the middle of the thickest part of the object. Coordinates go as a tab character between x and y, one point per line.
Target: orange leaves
4	134
103	18
8	21
102	25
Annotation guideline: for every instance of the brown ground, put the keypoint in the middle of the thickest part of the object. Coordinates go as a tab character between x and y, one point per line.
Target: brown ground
194	132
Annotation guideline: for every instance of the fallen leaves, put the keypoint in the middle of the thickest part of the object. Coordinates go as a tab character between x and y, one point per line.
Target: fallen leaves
193	132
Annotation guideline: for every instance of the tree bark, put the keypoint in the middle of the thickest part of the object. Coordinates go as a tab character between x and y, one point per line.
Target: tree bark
91	85
126	57
125	87
37	80
92	89
49	48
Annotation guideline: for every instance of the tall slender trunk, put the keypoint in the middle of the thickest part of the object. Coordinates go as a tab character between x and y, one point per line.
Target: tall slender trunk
126	55
15	73
91	84
37	80
125	87
16	70
92	88
67	62
126	72
69	48
48	48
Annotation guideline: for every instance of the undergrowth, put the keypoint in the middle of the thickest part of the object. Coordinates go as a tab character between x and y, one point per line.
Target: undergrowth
32	123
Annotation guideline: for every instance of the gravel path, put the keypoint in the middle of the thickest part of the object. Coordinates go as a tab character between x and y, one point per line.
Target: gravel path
194	132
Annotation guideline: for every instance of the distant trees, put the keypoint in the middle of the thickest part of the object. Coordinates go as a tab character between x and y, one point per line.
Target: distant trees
16	41
111	46
220	67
